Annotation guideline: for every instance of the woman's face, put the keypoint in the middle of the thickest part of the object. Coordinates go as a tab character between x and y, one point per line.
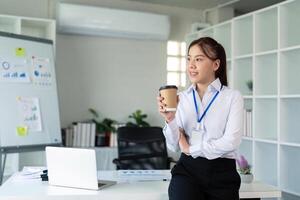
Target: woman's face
200	68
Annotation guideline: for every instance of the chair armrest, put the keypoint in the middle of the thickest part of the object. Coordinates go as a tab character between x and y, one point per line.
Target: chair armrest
171	160
171	163
117	162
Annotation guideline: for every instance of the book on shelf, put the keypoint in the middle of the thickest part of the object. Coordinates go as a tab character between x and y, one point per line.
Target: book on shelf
67	136
80	134
88	135
83	134
247	130
113	140
93	134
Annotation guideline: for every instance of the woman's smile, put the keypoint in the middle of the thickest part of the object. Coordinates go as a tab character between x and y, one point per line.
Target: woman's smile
193	74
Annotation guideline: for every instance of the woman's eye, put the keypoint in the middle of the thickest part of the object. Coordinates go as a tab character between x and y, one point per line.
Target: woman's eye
198	59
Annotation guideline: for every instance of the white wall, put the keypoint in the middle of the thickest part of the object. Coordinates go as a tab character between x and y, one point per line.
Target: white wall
30	8
115	76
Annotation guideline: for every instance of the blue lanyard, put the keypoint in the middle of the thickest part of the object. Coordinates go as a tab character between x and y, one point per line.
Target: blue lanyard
196	106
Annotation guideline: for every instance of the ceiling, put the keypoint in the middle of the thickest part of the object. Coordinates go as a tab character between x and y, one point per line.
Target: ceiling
241	6
197	4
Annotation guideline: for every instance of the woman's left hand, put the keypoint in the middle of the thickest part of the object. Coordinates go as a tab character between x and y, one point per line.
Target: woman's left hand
183	144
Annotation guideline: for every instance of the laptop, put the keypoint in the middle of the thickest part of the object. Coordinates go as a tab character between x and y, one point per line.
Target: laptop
74	167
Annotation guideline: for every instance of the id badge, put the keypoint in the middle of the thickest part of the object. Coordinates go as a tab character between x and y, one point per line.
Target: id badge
196	136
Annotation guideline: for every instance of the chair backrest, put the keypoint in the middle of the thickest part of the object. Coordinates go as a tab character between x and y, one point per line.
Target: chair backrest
142	148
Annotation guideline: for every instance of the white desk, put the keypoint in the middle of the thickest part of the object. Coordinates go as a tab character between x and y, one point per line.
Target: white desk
153	190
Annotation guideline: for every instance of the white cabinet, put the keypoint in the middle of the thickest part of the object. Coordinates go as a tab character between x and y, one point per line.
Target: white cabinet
264	47
288	170
10	24
266	162
266	30
243	36
266	69
223	35
289	24
35	27
242	74
289	71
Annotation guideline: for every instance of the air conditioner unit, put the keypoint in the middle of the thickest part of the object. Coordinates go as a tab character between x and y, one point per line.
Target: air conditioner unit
90	20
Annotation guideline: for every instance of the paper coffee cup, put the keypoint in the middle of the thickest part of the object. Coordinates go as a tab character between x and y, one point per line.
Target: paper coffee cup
169	93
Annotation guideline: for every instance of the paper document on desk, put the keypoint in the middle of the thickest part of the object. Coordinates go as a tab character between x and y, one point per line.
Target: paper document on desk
144	175
28	173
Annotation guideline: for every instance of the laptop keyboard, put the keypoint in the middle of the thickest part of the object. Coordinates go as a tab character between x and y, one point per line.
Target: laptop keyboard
144	175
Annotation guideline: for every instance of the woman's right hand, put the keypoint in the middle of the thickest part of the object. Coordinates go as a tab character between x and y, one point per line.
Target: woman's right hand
168	116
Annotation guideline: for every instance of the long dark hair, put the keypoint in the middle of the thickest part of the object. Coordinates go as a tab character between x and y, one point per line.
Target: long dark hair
213	50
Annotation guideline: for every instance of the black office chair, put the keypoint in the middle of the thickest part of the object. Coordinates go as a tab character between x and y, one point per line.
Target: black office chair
142	148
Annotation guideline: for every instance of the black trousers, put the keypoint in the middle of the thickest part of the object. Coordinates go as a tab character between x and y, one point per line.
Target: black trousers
203	179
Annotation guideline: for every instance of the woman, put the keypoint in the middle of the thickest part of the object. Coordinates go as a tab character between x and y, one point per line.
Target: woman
207	128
